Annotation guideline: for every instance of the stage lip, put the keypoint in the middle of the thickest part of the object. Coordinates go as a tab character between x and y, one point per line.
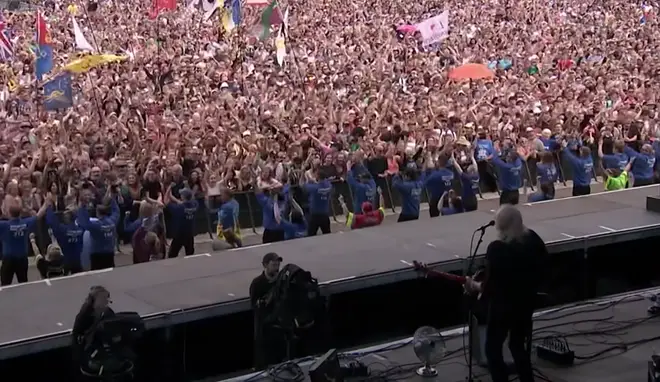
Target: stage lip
157	320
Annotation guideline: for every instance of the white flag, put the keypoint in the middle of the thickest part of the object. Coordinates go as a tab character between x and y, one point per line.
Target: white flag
81	41
435	29
209	11
280	49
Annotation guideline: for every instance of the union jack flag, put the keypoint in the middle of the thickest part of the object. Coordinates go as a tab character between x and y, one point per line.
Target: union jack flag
6	46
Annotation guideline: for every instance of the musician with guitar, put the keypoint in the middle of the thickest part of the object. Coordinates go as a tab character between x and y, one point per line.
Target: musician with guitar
514	270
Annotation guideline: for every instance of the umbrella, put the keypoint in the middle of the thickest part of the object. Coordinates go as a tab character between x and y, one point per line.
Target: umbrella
471	72
407	28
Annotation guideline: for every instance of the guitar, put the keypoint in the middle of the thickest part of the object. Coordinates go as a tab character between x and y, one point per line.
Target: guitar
419	267
479	276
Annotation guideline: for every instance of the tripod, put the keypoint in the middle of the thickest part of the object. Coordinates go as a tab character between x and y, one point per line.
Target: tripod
470	319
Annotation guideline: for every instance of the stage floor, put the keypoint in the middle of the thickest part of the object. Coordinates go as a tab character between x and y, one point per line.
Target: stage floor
616	338
45	308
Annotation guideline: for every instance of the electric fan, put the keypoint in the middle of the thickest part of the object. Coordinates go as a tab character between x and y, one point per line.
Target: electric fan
430	348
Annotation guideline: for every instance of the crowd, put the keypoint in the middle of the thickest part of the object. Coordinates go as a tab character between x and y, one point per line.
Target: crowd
194	111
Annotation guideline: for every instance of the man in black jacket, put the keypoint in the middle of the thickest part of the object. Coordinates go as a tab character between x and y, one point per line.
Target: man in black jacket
93	310
269	343
514	273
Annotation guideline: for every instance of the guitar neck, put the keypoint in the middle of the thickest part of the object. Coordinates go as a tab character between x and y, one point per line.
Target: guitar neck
448	276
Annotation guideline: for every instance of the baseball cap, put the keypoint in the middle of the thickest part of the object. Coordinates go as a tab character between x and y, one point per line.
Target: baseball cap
271	256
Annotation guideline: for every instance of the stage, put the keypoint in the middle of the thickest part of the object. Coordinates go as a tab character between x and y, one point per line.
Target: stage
613	340
37	316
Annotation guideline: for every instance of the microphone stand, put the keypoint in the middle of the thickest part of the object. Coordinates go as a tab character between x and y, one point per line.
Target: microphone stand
473	255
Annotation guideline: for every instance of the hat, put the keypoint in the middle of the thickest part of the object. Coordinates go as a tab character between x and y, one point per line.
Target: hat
462	141
271	256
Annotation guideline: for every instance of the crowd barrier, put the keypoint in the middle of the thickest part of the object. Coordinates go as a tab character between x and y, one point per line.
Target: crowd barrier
251	213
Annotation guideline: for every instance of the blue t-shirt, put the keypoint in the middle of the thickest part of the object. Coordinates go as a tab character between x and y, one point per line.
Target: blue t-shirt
537	197
69	237
547	172
102	231
228	214
183	216
470	185
294	231
15	235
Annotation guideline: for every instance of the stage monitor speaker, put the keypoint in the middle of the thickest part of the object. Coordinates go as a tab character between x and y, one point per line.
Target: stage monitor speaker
653	204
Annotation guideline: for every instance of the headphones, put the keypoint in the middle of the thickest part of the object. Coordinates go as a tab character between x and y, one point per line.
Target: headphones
93	293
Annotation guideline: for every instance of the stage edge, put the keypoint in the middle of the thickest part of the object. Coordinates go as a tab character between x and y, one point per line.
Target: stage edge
180	316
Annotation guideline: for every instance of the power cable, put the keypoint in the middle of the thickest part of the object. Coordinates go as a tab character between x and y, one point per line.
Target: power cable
605	327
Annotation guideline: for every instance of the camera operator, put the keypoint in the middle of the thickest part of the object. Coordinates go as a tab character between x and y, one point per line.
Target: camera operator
95	307
269	345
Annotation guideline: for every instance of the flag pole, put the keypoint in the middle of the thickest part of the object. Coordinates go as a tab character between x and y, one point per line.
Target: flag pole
286	37
96	99
90	23
38	97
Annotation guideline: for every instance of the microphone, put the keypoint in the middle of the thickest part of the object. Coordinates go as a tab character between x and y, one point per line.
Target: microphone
483	227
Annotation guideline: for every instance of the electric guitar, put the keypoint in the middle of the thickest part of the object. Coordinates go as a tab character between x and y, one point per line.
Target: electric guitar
420	267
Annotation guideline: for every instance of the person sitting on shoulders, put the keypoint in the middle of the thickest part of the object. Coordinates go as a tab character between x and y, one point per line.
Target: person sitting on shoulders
368	217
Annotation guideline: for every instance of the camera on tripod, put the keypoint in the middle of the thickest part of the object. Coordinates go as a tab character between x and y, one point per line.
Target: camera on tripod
109	347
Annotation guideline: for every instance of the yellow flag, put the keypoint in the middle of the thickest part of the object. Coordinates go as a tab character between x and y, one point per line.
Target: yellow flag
84	64
12	85
227	20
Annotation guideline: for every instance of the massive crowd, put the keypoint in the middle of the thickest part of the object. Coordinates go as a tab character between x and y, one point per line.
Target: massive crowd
197	108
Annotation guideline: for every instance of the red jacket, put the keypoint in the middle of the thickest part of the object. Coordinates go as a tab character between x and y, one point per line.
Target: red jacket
368	219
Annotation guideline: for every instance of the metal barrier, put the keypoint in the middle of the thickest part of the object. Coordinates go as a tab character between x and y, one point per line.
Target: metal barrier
250	215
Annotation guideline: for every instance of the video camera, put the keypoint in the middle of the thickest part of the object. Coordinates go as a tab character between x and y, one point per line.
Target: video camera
108	350
123	327
295	301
